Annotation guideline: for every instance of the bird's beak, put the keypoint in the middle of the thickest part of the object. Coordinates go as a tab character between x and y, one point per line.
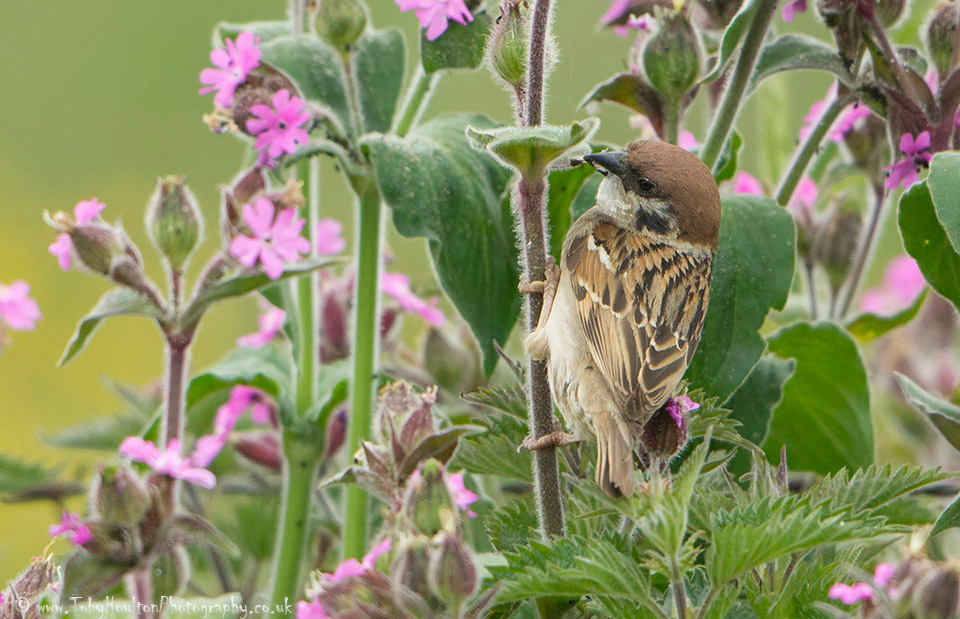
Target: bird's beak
609	162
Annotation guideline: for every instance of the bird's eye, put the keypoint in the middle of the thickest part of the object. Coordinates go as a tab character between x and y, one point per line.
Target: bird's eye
646	185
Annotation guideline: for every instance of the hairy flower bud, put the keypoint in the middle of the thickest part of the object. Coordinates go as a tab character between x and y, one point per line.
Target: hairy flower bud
937	596
453	362
341	22
260	447
663	437
119	495
408	575
336	433
174	220
507	47
428	505
452	574
96	244
889	11
867	142
836	241
672	56
940	36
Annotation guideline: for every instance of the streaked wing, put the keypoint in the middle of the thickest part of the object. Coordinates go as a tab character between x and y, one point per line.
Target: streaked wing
641	304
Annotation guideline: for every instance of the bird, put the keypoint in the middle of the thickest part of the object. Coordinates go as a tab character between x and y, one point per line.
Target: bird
623	312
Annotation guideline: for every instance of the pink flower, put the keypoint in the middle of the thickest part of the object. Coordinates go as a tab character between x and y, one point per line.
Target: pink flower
169	462
327	237
883	573
273	242
235	64
351	567
87	210
311	610
861	591
62	248
208	447
902	284
687	141
434	14
907	171
847	121
791	9
615	12
677	407
17	310
805	195
271	323
279	131
72	528
462	497
243	397
744	183
397	285
813	116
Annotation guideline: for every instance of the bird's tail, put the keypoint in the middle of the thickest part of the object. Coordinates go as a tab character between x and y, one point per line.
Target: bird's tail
614	472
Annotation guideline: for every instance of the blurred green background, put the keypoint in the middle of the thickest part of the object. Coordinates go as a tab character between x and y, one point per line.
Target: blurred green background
99	98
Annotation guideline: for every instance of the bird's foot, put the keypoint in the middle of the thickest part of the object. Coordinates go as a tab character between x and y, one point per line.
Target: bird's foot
550	281
557	438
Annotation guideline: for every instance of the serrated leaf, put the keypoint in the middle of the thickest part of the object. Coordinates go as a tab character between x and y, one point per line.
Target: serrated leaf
511	527
17	474
509	399
926	241
101	433
949	519
824	418
752	273
795	51
378	62
944	415
460	47
867	327
245	282
732	35
438	187
531	150
944	182
117	302
633	93
494	452
871	489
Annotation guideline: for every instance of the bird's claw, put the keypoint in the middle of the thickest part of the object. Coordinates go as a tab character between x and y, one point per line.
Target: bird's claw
550	281
557	438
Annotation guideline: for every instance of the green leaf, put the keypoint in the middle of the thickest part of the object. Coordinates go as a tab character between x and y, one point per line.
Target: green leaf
794	51
316	69
86	576
753	403
729	158
117	302
266	30
565	186
944	415
752	273
511	527
240	285
531	150
440	445
926	241
101	433
460	47
868	491
378	66
189	529
494	452
735	31
509	399
633	93
949	519
269	369
17	474
252	522
438	187
944	182
867	327
586	197
824	418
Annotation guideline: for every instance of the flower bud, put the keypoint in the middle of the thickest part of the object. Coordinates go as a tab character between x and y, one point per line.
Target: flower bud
404	415
119	495
937	596
671	57
836	241
336	432
428	505
889	11
260	447
845	22
507	47
408	575
174	220
453	362
663	436
334	317
341	22
96	244
867	142
940	36
453	573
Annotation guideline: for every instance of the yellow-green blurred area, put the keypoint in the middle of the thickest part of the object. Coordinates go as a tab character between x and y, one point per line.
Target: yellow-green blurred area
100	98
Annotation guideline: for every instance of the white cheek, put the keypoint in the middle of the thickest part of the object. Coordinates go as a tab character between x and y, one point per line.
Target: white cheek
612	199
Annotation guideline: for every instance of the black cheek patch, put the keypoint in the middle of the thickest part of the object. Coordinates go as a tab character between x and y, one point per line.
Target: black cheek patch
651	220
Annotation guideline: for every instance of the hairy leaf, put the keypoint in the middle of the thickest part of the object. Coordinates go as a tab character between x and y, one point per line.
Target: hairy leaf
117	302
511	527
460	47
735	31
86	576
944	182
17	474
100	433
378	66
795	51
949	519
944	415
509	399
926	241
632	92
494	452
531	150
868	490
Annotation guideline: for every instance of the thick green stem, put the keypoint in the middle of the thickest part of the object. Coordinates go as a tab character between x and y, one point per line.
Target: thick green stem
365	343
732	97
308	296
806	151
301	460
679	595
416	99
672	122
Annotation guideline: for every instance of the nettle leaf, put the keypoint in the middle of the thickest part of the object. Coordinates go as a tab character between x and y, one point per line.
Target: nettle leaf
944	182
867	327
438	187
117	302
824	418
509	399
511	527
531	150
794	51
736	30
869	490
248	281
565	186
752	273
460	47
316	69
494	452
949	519
926	241
266	30
944	415
102	433
17	474
630	91
378	62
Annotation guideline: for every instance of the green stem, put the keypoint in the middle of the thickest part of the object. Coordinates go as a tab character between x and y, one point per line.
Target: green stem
416	99
863	252
366	337
702	613
679	595
307	296
301	461
903	80
806	151
730	104
672	122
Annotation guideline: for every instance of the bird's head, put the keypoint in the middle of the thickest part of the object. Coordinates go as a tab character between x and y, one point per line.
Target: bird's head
659	189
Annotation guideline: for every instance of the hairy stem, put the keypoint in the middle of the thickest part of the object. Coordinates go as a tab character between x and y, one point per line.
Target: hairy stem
301	462
415	100
806	151
737	85
142	590
366	340
308	294
955	58
707	602
679	595
811	289
862	253
536	76
297	12
177	361
903	80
